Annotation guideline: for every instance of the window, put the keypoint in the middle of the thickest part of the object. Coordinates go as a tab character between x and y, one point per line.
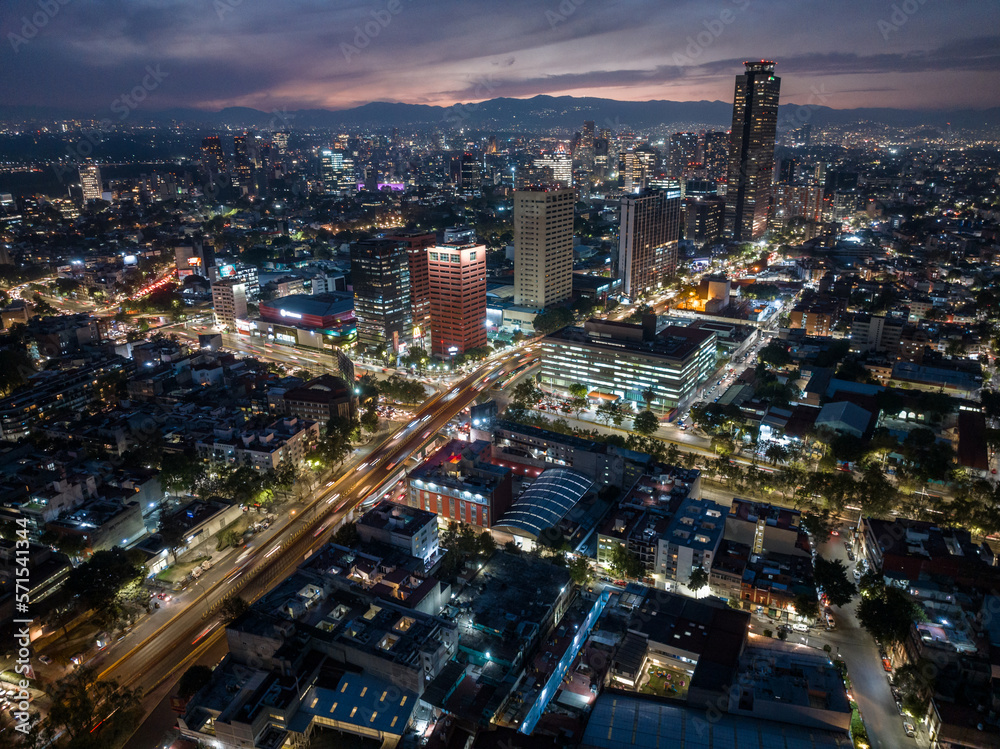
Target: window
434	256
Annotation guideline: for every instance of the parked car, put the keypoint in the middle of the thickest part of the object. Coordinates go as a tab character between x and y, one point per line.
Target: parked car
45	659
909	728
800	627
886	664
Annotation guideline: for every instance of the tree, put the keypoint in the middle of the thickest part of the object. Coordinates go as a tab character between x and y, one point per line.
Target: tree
346	535
648	395
486	543
192	680
887	614
525	394
625	564
233	608
831	576
806	605
699	579
646	423
93	714
579	570
578	390
611	411
775	453
577	405
552	320
180	471
370	418
775	354
105	577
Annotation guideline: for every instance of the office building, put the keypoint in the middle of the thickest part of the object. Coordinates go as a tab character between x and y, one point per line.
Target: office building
380	273
543	246
243	146
647	240
601	152
416	244
321	399
703	219
683	151
470	172
408	528
457	284
280	140
561	165
751	151
330	165
229	300
797	202
90	182
625	360
213	160
715	155
245	273
585	152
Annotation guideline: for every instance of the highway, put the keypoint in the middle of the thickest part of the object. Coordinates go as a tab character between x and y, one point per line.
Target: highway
192	631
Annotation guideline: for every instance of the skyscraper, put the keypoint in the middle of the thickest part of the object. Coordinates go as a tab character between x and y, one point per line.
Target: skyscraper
380	274
330	165
280	140
543	246
212	159
715	154
90	181
416	244
242	161
586	152
683	151
457	282
561	165
647	240
470	172
751	151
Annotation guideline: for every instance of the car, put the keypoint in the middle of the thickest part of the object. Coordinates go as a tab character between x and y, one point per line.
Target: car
45	659
909	728
800	627
834	533
899	707
887	664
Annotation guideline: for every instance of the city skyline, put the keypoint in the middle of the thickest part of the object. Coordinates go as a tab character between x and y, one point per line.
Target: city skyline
89	56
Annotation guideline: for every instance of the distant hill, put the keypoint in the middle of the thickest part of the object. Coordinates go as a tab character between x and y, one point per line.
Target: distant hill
537	112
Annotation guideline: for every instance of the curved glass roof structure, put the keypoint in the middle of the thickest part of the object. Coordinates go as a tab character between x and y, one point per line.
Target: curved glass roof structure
547	501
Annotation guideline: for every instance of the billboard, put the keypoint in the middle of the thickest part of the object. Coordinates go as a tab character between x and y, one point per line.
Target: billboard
227	271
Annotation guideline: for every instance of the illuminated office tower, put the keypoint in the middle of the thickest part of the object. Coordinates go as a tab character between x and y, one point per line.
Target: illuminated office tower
212	159
380	274
543	246
715	154
683	151
280	140
751	151
242	161
647	240
90	181
457	282
561	165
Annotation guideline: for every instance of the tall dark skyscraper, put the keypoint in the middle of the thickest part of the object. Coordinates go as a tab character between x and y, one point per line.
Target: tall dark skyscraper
751	151
380	274
715	154
683	151
647	240
242	160
212	159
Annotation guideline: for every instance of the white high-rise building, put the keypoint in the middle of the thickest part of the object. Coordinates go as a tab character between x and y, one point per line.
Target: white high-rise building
561	165
90	181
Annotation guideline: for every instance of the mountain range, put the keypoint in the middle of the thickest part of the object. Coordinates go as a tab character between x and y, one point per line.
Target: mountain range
538	112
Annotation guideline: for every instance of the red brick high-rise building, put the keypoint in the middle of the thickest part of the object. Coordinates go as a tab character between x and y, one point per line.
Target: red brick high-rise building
457	280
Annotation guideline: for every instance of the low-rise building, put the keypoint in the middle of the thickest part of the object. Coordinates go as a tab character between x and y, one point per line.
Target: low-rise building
408	528
459	483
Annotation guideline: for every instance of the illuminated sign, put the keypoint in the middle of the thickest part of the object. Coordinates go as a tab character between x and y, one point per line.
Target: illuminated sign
227	271
286	313
194	261
130	260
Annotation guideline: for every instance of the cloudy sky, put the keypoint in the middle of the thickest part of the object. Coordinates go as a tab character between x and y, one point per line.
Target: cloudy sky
84	54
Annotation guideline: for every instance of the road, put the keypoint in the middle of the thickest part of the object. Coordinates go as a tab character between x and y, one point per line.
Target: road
195	627
858	650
